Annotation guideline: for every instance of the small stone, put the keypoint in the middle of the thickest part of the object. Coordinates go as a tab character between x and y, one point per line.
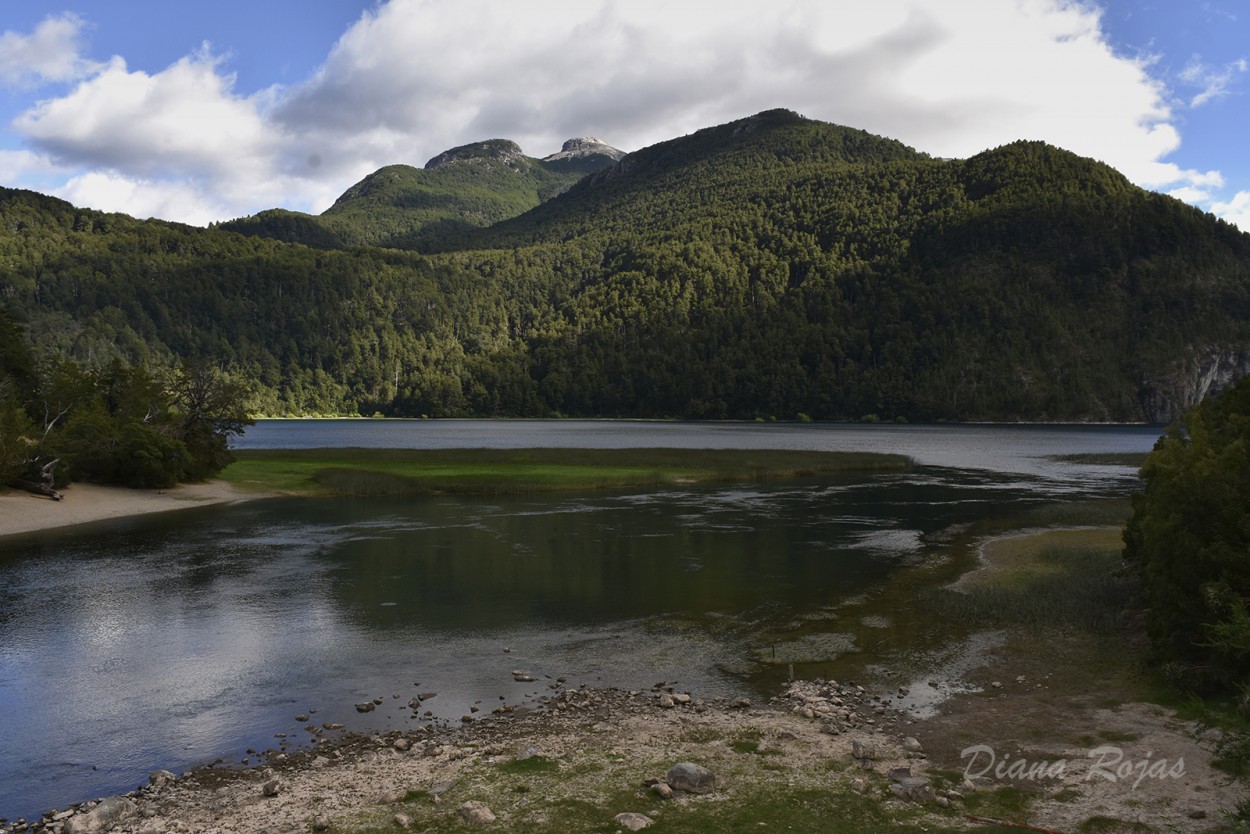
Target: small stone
741	703
366	706
1197	814
403	820
401	744
632	821
391	797
321	823
862	750
898	774
911	745
859	786
303	716
943	802
476	812
270	788
662	790
997	684
680	698
665	701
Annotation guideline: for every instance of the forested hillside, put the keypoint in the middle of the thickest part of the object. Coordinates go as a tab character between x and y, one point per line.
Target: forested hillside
772	267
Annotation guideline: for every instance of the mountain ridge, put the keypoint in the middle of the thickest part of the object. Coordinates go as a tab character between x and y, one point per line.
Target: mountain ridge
771	267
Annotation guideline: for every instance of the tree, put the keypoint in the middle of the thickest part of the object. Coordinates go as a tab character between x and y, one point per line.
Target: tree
1189	538
208	409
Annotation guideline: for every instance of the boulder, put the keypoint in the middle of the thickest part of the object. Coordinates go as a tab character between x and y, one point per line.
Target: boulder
914	789
691	778
102	817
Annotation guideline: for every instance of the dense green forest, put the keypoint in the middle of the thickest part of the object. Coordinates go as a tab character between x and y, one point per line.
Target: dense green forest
771	267
1189	540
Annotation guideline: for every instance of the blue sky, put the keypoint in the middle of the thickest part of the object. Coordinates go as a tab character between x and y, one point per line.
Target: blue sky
200	112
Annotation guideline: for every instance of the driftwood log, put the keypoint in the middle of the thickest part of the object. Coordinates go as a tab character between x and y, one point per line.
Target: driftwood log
44	486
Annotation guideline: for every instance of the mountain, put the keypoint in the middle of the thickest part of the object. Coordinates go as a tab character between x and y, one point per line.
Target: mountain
460	189
774	266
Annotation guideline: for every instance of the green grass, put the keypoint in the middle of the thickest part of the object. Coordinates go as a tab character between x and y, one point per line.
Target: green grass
1060	579
492	471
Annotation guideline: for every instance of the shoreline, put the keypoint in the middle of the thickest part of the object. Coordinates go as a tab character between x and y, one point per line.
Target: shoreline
22	513
578	757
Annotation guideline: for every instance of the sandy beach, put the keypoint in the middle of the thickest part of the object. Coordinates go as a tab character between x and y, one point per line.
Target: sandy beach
23	512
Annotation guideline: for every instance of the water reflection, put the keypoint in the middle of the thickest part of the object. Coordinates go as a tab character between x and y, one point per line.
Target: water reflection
170	641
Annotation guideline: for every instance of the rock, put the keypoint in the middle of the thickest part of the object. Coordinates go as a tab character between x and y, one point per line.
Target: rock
403	820
270	788
366	706
160	778
402	744
943	802
102	817
859	786
681	699
898	774
425	696
862	750
914	789
665	701
691	778
1198	814
662	790
391	797
476	812
911	745
741	703
303	716
526	752
321	823
632	821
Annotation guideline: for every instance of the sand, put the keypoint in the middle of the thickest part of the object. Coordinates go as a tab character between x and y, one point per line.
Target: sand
23	512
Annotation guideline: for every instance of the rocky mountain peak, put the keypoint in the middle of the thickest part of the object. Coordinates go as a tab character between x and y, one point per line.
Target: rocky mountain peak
585	146
492	150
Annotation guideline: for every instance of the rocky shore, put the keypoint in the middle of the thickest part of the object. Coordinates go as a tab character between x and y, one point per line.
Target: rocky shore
623	760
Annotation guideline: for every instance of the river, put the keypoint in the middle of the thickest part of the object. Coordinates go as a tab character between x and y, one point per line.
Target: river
177	640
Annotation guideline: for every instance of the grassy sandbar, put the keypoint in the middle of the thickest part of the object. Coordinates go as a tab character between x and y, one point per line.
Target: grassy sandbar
494	471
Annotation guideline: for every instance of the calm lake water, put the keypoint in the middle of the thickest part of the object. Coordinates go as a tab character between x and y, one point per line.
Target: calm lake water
176	640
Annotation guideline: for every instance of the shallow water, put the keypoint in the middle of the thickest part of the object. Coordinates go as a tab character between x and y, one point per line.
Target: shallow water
175	640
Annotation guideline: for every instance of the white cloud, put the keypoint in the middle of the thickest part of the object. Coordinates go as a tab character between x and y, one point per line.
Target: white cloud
49	54
1214	82
1235	211
414	77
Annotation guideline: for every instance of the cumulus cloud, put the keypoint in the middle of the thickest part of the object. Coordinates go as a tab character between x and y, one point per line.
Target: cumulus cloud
412	78
49	54
1235	211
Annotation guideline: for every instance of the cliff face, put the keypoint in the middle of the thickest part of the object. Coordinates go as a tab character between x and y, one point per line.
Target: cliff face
1202	372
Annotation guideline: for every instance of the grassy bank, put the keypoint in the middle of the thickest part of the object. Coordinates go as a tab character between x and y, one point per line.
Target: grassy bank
493	471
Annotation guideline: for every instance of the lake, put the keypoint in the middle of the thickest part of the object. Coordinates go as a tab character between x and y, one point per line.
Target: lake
180	639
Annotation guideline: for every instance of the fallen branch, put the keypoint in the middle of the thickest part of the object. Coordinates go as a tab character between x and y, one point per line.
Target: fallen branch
38	489
1009	824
